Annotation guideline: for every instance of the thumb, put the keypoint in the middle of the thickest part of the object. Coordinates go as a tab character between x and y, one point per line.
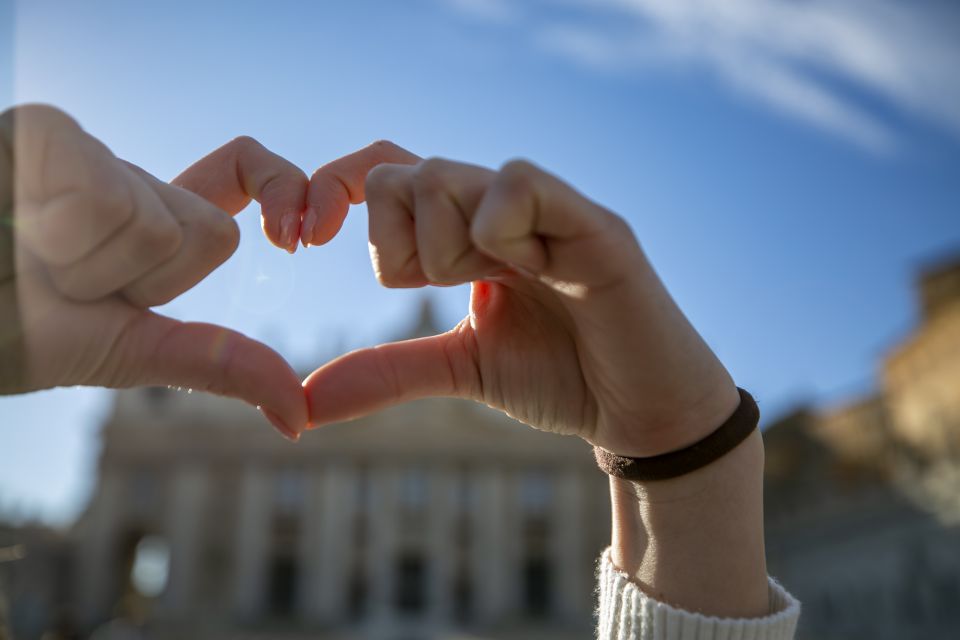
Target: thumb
156	350
368	380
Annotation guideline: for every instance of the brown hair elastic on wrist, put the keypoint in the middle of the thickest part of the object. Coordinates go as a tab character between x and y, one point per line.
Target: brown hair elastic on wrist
681	462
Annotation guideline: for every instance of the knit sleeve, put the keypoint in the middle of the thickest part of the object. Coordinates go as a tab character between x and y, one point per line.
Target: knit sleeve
627	613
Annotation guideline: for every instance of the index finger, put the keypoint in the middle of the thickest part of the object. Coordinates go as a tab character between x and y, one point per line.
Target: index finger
243	169
338	184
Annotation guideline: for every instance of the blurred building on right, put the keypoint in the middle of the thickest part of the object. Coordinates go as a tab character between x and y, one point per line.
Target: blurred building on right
863	500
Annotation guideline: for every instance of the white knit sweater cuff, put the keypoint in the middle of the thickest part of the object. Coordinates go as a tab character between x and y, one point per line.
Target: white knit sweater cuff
627	613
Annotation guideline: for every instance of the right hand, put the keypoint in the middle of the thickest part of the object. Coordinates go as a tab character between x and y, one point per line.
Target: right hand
569	328
98	241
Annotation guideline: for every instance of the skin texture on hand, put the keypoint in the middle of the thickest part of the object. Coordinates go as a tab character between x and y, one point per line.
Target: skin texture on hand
98	241
569	328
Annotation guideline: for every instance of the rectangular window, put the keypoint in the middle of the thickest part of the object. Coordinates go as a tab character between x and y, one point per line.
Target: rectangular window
283	586
289	491
413	489
411	596
536	492
357	594
536	587
462	598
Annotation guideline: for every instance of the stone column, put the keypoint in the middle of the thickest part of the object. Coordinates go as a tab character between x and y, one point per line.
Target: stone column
184	527
327	545
491	555
253	542
309	543
571	599
440	549
382	519
98	550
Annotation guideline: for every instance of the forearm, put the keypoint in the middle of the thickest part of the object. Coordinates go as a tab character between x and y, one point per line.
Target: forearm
696	542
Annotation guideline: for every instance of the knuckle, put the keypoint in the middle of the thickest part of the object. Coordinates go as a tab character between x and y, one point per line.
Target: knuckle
66	280
444	279
518	174
44	116
435	273
244	142
229	234
623	241
168	236
608	224
280	182
220	233
111	196
209	241
405	276
389	278
139	298
381	176
431	175
483	234
385	276
382	179
158	239
383	148
444	272
446	269
617	226
66	229
483	240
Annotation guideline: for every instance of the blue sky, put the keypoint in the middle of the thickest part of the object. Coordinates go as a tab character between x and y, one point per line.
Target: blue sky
787	166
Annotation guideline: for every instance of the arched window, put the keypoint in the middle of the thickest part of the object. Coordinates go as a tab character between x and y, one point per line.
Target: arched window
150	569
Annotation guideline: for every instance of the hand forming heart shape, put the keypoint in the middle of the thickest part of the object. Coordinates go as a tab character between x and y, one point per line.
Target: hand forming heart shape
569	328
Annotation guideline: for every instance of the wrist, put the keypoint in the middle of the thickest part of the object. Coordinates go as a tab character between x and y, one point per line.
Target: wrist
675	421
696	541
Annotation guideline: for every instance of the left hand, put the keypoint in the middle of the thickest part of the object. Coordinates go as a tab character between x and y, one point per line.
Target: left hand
98	241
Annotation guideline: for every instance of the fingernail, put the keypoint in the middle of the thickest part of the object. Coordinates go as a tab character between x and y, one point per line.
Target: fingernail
288	225
280	425
309	222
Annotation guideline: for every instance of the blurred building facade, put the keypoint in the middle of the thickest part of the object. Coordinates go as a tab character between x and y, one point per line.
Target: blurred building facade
443	519
863	500
430	520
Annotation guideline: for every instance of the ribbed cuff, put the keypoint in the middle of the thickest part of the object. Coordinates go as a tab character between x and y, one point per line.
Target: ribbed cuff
627	613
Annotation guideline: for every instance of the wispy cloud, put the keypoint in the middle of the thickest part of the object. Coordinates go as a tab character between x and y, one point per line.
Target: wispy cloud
800	58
